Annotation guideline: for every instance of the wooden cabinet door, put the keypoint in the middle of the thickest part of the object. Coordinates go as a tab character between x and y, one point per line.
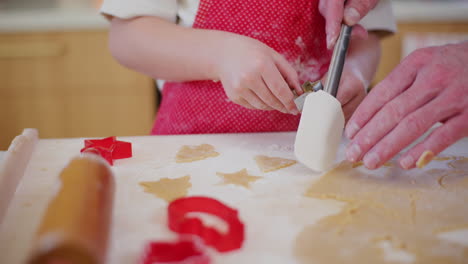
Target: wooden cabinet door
68	85
392	47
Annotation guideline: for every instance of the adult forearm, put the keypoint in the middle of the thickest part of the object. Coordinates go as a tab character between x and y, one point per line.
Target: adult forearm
164	50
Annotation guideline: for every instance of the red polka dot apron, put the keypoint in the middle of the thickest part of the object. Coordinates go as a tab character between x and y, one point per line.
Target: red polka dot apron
294	28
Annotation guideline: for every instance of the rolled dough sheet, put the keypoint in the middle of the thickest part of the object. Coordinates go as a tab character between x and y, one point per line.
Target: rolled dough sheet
168	189
408	210
320	130
194	153
268	164
460	164
360	163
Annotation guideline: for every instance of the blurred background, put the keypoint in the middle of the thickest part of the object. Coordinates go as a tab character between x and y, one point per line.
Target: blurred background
57	75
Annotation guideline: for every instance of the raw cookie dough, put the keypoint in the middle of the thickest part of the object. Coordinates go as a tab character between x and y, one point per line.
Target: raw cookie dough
240	178
460	163
360	163
407	209
320	130
194	153
444	158
168	189
267	164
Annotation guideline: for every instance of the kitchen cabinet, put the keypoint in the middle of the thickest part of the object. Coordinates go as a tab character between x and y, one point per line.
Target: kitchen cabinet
66	84
393	48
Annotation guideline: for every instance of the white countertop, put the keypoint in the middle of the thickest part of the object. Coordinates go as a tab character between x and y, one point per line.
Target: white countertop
139	217
53	19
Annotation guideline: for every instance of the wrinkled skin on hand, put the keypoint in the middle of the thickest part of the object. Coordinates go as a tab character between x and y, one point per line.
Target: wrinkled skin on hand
350	12
429	86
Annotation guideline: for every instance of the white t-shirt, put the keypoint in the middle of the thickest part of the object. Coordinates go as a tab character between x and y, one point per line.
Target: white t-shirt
380	18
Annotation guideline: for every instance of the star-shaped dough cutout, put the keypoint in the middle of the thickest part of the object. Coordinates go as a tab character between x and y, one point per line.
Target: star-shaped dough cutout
267	164
168	189
194	153
240	178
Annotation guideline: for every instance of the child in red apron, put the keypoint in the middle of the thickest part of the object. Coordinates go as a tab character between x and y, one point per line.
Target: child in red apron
236	69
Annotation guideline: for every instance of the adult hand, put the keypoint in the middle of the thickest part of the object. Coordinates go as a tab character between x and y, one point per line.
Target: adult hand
336	12
429	86
257	77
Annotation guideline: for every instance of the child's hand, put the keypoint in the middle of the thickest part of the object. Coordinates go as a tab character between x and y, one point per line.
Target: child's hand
257	77
352	90
359	70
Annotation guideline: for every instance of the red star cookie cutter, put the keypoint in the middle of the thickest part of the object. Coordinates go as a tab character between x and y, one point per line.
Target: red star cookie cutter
109	148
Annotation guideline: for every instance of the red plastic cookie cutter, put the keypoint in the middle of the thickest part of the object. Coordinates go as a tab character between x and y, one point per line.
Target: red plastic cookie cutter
182	251
185	250
180	223
109	148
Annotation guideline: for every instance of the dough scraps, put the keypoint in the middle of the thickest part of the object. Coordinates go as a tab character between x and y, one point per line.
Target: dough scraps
404	208
444	158
425	158
168	189
194	153
240	178
268	164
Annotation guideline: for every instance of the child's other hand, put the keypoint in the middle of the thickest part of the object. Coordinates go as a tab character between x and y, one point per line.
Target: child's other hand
352	90
359	70
255	76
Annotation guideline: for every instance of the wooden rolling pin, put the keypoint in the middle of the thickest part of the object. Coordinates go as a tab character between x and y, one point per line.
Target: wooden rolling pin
75	227
14	165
